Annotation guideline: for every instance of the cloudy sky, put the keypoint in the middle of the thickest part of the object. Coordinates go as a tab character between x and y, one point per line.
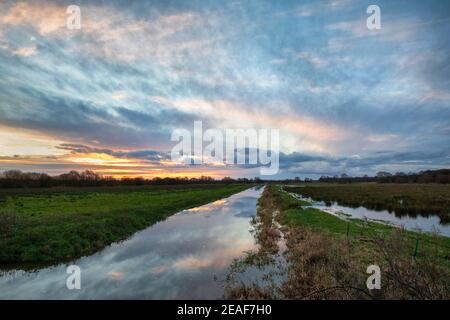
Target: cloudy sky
108	96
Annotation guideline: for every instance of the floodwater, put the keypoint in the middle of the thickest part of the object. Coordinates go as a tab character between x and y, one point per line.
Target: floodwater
419	223
186	256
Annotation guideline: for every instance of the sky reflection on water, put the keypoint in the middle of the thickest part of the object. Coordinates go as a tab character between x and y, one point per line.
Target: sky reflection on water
431	223
187	256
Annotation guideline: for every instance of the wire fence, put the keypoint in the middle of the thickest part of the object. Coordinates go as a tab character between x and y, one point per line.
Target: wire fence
419	242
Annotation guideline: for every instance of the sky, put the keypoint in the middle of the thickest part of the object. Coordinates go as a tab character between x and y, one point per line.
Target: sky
107	96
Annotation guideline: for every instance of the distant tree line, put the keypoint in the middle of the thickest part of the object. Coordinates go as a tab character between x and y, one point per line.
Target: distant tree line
429	176
88	178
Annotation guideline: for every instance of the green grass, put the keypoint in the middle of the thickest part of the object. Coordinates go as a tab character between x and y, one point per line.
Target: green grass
289	202
403	199
323	221
356	229
50	227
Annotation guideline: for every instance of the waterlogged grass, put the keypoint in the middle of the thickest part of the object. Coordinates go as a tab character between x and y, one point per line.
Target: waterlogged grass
50	227
326	257
289	202
297	212
403	199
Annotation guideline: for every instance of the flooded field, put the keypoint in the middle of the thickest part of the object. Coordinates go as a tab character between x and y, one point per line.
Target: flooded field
423	208
186	256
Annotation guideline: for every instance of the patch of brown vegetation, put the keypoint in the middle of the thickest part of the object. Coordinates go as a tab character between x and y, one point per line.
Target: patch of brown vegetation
267	233
321	268
325	266
409	277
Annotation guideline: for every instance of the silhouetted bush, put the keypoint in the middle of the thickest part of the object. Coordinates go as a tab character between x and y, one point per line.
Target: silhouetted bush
19	179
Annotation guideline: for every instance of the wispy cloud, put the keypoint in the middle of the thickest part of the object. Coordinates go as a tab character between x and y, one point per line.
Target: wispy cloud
25	51
107	96
46	18
312	58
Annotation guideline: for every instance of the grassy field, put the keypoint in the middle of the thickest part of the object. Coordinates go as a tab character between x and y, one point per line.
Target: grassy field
55	225
327	257
411	199
414	265
297	212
